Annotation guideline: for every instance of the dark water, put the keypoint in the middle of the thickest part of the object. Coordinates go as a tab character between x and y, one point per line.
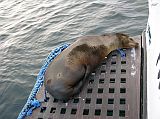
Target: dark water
30	29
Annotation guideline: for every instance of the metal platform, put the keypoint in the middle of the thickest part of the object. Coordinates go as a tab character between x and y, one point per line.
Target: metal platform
112	92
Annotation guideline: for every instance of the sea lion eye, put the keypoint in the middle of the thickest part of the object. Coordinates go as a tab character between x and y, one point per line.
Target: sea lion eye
131	39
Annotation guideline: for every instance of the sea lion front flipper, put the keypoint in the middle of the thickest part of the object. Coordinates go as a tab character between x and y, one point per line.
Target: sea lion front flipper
80	84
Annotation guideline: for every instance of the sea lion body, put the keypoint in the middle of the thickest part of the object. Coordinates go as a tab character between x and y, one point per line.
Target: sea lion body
66	75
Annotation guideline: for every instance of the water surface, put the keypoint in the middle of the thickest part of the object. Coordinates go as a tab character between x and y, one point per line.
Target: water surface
30	29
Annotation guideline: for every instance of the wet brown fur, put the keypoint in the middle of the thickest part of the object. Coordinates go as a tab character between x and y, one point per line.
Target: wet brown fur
66	75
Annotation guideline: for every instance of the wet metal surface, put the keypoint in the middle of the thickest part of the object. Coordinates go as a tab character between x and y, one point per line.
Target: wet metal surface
112	92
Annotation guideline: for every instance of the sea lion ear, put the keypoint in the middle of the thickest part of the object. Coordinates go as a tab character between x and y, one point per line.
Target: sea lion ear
121	36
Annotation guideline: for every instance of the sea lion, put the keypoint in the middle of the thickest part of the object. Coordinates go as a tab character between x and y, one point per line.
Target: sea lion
67	73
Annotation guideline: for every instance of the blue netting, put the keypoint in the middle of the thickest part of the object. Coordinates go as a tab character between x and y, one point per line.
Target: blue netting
32	103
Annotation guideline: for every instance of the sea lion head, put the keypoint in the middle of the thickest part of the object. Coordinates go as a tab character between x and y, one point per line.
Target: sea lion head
125	41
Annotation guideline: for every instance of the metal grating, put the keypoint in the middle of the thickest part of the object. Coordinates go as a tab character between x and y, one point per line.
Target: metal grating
112	92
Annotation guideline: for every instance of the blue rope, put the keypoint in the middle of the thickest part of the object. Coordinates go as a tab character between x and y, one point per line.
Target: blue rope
122	53
32	103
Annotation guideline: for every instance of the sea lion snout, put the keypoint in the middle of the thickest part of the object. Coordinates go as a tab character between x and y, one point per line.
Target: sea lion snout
126	41
132	43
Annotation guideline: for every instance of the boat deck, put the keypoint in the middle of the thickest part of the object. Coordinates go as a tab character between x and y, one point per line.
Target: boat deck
112	92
